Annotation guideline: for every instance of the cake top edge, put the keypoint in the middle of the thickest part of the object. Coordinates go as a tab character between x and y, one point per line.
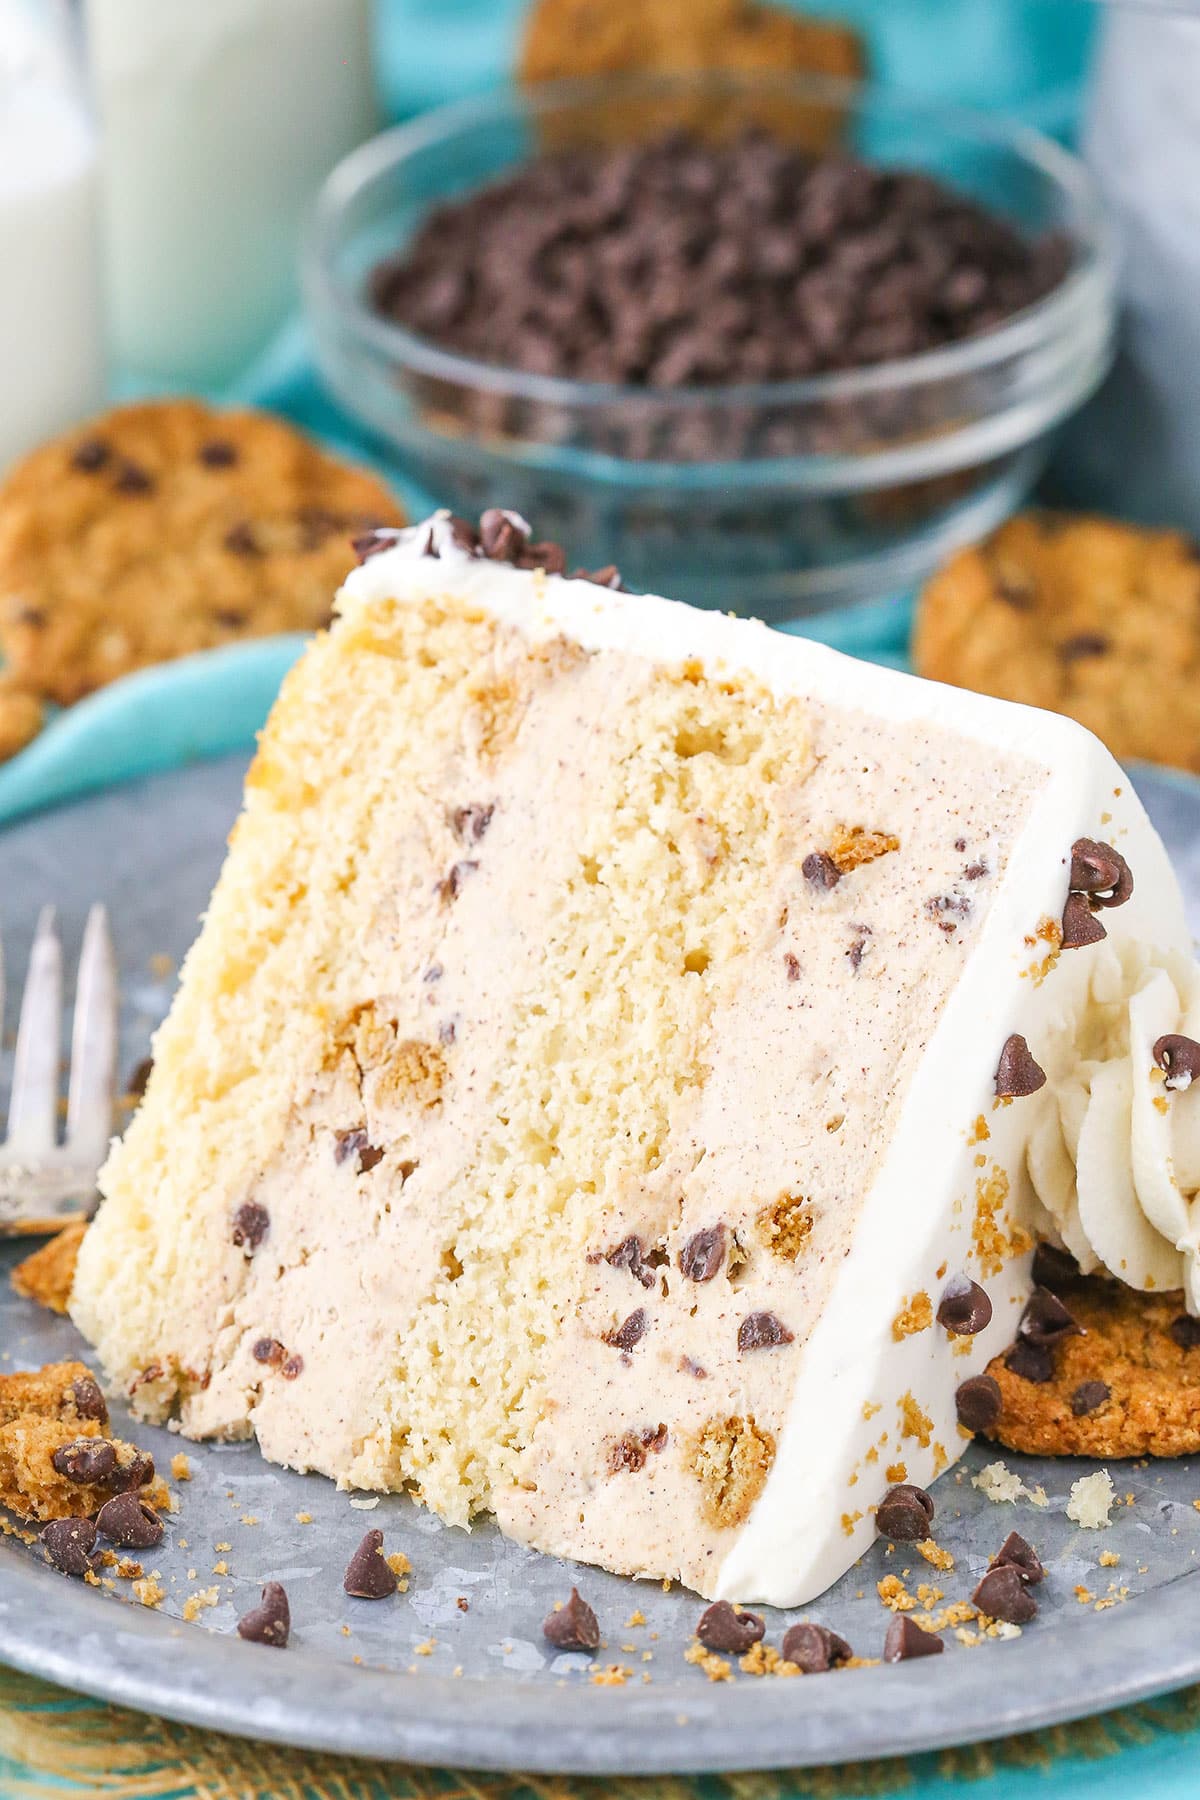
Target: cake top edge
502	569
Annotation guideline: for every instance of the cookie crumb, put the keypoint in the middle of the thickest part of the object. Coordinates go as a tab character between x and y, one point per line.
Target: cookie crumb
714	1666
181	1468
149	1591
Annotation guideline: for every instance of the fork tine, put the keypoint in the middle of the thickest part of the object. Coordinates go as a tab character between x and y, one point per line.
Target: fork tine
32	1116
93	1043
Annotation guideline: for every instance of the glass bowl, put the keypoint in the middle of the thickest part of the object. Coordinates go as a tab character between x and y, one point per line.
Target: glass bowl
777	499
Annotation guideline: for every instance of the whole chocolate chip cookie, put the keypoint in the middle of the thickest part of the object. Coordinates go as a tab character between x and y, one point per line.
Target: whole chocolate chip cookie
165	528
576	38
1082	615
1127	1384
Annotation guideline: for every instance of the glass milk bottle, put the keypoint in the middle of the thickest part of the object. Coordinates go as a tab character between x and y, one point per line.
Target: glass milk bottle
220	119
51	331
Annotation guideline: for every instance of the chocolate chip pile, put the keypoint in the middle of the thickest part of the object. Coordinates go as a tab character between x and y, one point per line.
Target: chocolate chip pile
686	263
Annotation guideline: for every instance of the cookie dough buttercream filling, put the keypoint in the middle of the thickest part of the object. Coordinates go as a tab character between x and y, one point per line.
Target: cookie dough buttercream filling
584	1092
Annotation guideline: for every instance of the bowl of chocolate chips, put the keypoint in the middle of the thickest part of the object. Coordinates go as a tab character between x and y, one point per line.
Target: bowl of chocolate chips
773	345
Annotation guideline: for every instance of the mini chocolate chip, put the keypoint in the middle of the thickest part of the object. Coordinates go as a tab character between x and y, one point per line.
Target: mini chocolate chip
1080	926
1089	1397
630	1254
240	540
905	1639
978	1402
792	964
573	1627
1186	1331
703	1254
1046	1320
607	577
1017	1074
1031	1362
1002	1594
268	1350
690	1366
502	535
905	1513
129	1520
544	555
69	1543
1100	872
722	1627
1178	1056
251	1222
292	1367
1053	1267
218	453
470	822
136	1085
369	1575
131	478
975	871
856	952
90	455
230	618
1083	644
450	885
964	1307
370	543
630	1333
762	1331
270	1621
85	1460
1015	1553
355	1143
820	869
814	1648
87	1399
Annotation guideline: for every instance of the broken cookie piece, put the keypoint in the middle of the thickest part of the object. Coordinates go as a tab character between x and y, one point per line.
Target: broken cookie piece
56	1461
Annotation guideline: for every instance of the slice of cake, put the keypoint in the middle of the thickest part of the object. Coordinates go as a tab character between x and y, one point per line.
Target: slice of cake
600	1093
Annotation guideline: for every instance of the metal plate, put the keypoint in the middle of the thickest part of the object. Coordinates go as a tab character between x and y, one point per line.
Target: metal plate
488	1693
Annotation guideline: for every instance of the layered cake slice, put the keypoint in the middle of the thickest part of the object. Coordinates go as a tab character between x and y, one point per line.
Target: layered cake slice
601	1091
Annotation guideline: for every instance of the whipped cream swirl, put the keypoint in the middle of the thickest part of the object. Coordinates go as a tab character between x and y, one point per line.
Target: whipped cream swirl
1114	1148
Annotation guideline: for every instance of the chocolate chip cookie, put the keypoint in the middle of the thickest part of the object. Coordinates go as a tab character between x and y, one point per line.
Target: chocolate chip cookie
164	528
565	38
1082	615
56	1460
1127	1385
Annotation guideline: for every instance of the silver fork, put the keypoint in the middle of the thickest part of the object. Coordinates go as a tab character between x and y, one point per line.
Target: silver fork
45	1183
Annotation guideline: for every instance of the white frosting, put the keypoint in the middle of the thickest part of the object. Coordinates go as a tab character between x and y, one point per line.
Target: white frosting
1130	1208
1114	1154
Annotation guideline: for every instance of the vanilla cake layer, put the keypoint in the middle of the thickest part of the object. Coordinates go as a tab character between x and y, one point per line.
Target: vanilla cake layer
532	1132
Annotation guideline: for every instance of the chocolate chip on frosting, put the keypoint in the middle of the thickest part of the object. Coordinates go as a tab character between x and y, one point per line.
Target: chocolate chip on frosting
1002	1594
1080	927
905	1514
762	1331
1017	1074
814	1648
703	1254
1089	1397
905	1639
978	1402
573	1626
69	1544
130	1521
820	869
722	1627
1015	1553
1179	1057
369	1575
1046	1320
371	543
631	1332
1100	872
85	1460
251	1222
964	1307
270	1622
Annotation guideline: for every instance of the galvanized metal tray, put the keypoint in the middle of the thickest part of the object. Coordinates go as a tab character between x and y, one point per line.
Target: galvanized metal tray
417	1677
